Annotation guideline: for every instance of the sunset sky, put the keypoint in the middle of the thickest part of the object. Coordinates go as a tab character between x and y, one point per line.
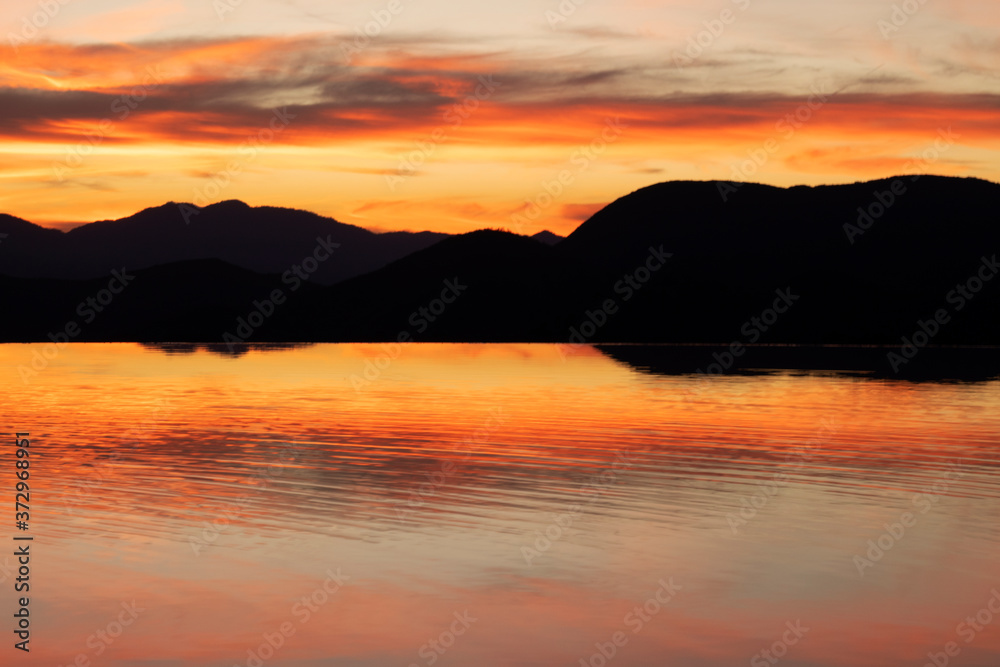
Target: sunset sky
453	116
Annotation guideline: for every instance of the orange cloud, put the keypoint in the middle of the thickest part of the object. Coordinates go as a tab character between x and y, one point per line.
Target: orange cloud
473	136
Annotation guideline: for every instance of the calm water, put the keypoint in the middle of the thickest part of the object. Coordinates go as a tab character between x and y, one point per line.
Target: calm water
498	505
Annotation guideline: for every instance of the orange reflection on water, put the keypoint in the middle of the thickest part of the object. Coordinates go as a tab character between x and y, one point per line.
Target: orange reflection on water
216	492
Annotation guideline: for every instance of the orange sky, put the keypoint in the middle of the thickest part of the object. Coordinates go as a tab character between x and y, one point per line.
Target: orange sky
454	120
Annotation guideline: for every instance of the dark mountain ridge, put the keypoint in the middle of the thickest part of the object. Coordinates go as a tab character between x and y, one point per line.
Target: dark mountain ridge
680	262
262	239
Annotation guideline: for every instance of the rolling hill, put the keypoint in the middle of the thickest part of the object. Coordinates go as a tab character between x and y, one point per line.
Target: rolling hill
679	262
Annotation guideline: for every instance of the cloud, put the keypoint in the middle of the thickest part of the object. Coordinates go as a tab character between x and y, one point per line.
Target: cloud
352	121
219	102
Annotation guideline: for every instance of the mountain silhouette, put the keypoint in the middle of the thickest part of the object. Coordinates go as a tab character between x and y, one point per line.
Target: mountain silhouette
678	262
262	239
547	237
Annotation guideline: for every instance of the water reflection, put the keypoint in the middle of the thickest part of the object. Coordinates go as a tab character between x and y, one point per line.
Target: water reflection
931	364
224	349
546	495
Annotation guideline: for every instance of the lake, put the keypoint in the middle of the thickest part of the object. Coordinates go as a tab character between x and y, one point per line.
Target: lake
437	504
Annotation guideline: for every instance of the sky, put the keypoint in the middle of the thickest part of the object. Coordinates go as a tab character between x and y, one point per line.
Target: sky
522	114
